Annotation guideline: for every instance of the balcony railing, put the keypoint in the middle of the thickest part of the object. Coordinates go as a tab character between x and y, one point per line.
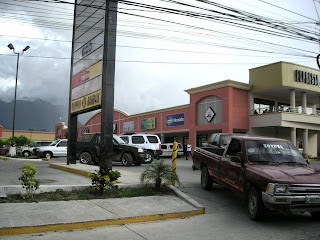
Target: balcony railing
279	109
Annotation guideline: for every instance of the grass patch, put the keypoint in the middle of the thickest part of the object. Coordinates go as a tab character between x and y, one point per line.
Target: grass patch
87	194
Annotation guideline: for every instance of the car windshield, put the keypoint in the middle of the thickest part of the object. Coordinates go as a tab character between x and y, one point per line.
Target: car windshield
54	143
118	139
273	152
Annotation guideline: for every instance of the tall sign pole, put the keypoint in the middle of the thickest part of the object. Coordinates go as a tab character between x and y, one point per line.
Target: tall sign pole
72	119
108	73
92	71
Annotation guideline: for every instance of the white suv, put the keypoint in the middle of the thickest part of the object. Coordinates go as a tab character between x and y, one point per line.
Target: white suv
150	142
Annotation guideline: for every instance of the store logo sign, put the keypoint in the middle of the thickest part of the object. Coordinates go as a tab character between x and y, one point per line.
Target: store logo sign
306	77
86	49
175	120
209	114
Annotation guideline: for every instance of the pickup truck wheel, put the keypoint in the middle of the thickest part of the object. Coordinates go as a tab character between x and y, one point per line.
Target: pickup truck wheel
127	159
26	153
150	157
47	155
256	208
315	215
85	158
206	181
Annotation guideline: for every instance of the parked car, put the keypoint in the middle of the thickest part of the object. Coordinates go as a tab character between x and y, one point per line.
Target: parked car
58	148
5	150
148	141
27	151
166	149
268	173
128	155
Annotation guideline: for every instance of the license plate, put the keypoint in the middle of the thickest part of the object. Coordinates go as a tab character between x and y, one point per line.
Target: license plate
313	199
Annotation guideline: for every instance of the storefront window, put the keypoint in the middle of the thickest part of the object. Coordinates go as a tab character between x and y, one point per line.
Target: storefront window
212	104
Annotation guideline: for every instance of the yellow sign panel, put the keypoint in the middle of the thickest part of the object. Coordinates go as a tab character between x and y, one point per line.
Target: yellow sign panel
86	102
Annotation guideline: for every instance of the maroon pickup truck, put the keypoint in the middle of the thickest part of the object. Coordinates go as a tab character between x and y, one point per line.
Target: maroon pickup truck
268	173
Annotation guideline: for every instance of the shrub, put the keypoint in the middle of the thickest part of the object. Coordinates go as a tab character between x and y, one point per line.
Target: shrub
28	179
2	143
159	172
101	183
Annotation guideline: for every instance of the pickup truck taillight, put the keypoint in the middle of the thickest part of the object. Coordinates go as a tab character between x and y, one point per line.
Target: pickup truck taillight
159	146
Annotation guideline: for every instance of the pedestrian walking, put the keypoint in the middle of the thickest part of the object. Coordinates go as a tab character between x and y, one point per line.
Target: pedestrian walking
188	151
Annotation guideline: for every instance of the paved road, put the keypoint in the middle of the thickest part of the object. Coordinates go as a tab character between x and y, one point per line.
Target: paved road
10	171
225	218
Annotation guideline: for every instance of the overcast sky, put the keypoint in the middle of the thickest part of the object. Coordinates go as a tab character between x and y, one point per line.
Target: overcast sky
156	60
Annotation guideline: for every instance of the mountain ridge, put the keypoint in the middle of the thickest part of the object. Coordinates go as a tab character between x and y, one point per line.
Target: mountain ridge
36	115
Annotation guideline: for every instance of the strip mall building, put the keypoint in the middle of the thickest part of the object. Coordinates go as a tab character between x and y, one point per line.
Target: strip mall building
281	100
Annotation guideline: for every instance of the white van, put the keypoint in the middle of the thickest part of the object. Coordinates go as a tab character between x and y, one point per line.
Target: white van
167	150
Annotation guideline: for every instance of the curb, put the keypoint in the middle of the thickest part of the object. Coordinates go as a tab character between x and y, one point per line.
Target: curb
98	223
70	170
24	159
75	171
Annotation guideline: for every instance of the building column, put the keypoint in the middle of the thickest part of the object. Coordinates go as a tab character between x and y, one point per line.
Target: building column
305	143
162	138
304	102
314	109
192	138
294	136
292	99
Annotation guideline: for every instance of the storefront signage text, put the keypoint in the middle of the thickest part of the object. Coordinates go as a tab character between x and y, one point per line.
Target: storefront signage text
175	120
306	77
148	123
86	102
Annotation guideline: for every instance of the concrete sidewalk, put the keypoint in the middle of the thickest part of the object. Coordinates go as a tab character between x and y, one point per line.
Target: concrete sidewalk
21	218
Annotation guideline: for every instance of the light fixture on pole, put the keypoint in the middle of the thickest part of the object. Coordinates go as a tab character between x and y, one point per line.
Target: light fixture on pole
11	47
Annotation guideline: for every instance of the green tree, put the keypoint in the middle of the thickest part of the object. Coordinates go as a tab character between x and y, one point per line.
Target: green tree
159	172
23	141
11	141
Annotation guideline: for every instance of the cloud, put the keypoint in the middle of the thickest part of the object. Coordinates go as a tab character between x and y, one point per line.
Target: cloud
139	86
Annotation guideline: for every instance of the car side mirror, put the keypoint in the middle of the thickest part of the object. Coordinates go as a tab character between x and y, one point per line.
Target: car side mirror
214	143
236	159
308	161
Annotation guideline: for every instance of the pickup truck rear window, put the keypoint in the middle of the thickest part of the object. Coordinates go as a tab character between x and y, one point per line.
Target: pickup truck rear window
86	138
273	151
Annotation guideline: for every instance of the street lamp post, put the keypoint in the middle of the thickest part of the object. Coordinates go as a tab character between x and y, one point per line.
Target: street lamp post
11	47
